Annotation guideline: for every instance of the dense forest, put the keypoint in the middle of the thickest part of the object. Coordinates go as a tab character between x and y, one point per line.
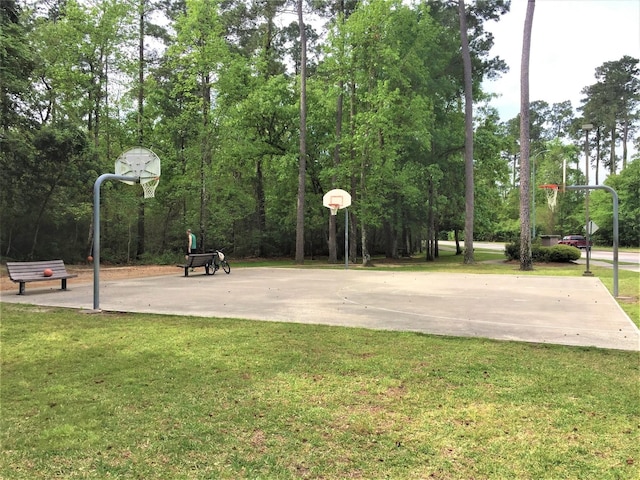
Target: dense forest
257	108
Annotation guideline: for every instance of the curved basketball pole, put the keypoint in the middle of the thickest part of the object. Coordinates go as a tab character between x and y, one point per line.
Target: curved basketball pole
615	228
96	231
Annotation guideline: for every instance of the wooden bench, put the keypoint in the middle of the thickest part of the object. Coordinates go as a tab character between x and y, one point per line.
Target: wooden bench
23	272
196	260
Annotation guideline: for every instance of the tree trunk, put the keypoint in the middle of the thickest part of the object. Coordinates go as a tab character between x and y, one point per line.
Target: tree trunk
205	157
141	12
332	241
390	246
430	224
333	244
598	156
468	137
612	150
526	262
261	216
353	229
41	211
625	139
302	168
363	245
333	250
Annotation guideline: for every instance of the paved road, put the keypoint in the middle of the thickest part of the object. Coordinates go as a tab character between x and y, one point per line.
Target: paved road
601	258
530	308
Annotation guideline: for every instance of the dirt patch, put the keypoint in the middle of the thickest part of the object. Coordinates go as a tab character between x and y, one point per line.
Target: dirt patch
629	300
85	274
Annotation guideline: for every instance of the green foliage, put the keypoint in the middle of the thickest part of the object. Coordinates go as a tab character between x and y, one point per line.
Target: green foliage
44	206
16	62
613	101
627	186
214	92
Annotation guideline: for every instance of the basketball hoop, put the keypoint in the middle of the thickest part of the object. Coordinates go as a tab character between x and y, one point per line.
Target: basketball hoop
142	163
336	199
551	190
149	186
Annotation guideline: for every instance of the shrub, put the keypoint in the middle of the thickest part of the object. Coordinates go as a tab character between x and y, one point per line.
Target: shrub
512	251
563	253
556	253
539	253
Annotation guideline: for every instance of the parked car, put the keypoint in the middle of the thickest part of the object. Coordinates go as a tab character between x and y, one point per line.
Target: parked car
578	241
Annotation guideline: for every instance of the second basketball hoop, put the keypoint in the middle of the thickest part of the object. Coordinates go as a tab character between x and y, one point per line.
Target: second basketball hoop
551	191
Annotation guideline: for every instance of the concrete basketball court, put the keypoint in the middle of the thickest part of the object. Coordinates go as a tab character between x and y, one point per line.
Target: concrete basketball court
577	311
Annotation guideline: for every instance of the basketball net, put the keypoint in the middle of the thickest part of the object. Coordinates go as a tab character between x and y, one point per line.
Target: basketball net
334	208
149	186
552	195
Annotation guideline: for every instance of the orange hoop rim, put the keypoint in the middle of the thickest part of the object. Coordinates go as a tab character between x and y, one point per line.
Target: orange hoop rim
549	186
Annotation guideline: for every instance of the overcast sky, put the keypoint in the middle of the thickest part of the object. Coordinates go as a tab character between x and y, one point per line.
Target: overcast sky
570	39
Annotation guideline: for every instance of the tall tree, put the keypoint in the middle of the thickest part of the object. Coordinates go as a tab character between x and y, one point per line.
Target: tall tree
198	55
468	136
560	117
448	146
302	167
390	109
526	262
142	10
342	12
613	100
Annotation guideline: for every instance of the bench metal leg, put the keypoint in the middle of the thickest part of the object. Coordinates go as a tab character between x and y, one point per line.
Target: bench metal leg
186	271
64	284
21	289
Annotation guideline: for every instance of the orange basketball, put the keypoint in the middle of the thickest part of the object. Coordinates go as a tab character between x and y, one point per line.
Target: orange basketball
47	272
89	259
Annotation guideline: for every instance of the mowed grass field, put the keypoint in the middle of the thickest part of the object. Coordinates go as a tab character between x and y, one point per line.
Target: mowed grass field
116	395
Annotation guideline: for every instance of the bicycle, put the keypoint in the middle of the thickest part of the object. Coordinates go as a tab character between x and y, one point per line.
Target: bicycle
220	261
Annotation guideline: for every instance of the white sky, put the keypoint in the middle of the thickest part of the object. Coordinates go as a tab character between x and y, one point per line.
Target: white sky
570	39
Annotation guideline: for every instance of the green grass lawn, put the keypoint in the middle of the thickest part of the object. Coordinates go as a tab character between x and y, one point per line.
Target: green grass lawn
167	397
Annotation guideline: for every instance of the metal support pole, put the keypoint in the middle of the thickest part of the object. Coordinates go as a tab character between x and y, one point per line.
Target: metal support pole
533	193
616	240
587	228
96	231
346	239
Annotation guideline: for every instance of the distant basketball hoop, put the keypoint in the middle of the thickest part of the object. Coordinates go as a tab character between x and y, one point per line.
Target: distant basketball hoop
335	200
551	191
